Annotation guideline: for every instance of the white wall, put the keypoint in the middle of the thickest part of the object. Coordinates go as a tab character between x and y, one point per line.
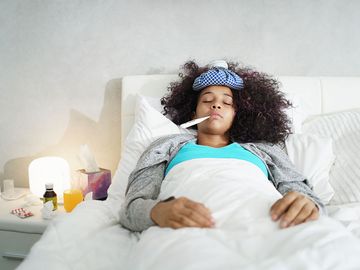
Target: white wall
61	62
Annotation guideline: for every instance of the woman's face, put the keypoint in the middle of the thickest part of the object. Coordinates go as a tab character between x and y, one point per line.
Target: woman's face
216	101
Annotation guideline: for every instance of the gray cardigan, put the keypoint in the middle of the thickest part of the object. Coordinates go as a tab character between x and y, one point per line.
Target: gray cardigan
145	181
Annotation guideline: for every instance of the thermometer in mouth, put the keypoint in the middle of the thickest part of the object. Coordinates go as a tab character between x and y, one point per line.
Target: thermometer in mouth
194	122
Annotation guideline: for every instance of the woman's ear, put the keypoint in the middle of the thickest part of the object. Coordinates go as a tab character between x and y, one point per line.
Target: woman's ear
193	116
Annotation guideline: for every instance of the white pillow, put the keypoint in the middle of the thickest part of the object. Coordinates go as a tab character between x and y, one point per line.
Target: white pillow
344	129
313	157
149	125
297	114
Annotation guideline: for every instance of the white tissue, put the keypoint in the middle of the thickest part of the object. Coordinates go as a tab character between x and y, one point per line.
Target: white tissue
47	211
87	159
88	196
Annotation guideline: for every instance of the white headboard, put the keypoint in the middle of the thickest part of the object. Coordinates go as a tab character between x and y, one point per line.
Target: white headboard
318	94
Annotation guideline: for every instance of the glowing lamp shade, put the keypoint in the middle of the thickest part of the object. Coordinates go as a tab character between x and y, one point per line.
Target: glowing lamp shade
44	170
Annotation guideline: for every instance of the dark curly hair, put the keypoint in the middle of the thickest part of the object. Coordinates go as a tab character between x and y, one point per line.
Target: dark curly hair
260	105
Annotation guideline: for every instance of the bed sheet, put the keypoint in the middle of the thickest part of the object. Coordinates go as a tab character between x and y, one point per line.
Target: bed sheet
91	238
85	241
347	214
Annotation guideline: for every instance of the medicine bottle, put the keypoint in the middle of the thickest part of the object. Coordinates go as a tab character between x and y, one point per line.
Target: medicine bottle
50	195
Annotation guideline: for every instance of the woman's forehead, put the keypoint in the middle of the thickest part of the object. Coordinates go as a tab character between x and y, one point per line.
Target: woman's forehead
217	90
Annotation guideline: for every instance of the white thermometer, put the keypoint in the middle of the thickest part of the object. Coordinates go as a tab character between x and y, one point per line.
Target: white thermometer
194	122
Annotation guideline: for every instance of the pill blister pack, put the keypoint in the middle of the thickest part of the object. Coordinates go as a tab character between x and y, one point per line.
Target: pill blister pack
21	212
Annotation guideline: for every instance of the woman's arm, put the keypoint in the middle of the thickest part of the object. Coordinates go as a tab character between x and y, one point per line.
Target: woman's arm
299	203
181	212
142	208
295	207
302	188
141	196
144	184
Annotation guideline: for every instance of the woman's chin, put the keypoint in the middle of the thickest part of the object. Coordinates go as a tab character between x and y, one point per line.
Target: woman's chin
213	130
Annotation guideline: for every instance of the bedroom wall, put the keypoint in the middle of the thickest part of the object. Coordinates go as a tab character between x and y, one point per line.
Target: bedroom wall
61	62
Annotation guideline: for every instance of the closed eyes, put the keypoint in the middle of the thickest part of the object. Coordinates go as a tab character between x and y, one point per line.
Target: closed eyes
225	102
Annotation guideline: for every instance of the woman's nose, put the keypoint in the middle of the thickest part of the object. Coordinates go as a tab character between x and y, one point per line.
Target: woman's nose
216	106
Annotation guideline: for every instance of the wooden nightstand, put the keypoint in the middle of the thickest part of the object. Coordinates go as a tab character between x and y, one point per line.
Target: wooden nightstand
18	235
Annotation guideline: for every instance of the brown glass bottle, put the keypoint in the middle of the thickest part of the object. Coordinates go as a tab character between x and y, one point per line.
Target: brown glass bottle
50	195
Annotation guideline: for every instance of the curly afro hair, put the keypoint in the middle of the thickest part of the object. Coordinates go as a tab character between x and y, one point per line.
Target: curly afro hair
260	105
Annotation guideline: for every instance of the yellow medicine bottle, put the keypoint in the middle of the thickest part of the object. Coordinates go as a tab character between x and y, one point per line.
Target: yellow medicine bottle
50	195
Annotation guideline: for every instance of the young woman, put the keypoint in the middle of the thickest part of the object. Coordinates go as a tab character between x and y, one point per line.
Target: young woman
247	121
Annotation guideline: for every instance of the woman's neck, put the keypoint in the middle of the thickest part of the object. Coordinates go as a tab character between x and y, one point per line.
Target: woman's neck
212	140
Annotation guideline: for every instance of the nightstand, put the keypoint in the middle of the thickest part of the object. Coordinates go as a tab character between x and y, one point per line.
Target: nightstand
18	235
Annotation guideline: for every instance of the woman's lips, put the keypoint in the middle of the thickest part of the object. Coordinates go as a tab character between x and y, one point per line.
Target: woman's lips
215	115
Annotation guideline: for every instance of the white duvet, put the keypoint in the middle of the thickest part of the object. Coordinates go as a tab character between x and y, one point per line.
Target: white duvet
239	196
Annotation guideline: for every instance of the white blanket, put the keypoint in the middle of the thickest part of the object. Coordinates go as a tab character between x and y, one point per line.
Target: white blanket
239	196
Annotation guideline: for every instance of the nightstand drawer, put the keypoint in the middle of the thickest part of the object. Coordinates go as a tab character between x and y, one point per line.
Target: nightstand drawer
14	246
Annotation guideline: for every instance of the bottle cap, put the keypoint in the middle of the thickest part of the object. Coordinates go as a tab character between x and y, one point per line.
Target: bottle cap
49	186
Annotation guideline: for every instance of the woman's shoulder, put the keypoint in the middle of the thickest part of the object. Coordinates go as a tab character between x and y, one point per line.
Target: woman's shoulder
166	143
266	145
162	149
266	148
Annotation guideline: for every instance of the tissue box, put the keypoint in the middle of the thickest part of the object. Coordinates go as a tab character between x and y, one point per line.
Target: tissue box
96	182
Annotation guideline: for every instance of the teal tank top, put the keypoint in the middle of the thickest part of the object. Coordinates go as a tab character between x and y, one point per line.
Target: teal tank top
191	150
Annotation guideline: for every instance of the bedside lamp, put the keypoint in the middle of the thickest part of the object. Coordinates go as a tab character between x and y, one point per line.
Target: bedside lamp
44	170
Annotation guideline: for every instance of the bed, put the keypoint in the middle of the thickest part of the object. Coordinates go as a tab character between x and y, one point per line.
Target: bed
326	125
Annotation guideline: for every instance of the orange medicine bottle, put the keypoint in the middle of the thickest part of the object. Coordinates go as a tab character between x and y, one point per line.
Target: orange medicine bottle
50	195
